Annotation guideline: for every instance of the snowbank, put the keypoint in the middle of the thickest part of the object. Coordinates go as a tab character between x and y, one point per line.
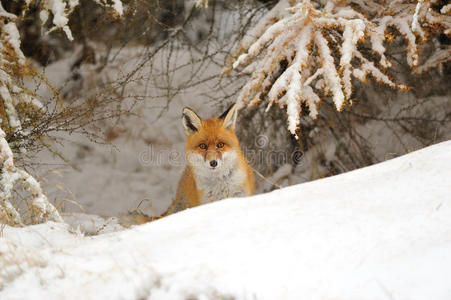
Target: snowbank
381	232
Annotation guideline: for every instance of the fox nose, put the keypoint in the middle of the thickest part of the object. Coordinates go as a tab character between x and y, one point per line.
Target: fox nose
213	163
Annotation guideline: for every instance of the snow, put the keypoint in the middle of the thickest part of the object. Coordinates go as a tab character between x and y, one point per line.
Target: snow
415	24
92	224
381	232
330	73
41	208
446	9
201	3
10	110
337	27
13	38
5	14
61	10
118	7
61	14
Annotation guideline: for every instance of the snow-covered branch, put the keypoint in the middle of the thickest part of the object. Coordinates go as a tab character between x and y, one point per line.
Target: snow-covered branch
201	3
61	10
13	67
17	103
41	209
303	51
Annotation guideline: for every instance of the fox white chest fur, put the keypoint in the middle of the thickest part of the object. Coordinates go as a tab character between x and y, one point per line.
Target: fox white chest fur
225	181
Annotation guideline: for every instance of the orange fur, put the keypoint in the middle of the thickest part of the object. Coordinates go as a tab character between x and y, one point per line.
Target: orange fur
231	178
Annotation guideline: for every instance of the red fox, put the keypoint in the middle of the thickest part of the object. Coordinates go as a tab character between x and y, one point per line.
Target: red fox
216	166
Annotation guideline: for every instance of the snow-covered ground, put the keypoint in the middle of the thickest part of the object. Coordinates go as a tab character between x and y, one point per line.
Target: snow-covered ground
381	232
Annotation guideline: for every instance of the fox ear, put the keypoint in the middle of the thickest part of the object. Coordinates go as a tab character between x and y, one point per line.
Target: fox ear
229	117
191	121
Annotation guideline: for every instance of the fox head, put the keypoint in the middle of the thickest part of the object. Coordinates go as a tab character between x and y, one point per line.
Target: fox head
212	146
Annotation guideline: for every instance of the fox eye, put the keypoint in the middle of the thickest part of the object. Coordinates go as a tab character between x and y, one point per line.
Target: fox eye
203	146
220	145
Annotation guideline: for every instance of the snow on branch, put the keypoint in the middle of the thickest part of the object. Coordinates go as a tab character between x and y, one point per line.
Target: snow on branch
13	67
41	209
61	10
201	3
303	51
17	103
